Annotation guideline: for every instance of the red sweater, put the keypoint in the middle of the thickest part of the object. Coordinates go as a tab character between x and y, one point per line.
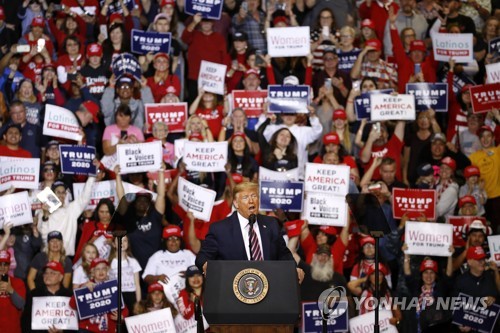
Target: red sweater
6	151
159	89
60	35
10	316
378	15
337	249
406	67
203	47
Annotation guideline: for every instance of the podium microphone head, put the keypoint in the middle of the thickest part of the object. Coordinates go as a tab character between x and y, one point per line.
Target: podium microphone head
252	219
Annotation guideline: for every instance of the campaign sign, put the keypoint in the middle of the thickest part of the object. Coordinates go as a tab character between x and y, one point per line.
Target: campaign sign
429	239
19	173
61	123
77	160
16	209
414	202
429	96
139	157
494	47
211	9
365	322
284	176
100	190
347	60
205	156
494	245
126	64
288	99
131	188
154	322
362	104
471	312
172	114
212	77
312	321
288	196
53	311
458	46
144	42
288	42
195	199
109	161
327	178
459	223
102	299
252	102
325	209
485	97
493	73
389	107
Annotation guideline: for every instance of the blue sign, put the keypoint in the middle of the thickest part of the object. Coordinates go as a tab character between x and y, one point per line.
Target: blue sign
144	42
362	103
211	9
126	64
288	196
77	160
347	60
429	95
288	99
115	7
472	313
494	47
312	321
103	299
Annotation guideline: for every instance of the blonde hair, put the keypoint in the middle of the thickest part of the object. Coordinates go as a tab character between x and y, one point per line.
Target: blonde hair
245	186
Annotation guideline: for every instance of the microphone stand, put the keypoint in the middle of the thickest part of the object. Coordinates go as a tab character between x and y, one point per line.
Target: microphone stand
377	235
119	234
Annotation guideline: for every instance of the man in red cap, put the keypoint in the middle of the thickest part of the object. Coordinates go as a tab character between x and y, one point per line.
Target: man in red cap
88	117
95	72
377	11
162	78
474	188
166	264
12	297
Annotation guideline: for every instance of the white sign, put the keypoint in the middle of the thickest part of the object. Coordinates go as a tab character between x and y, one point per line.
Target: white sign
493	73
139	157
160	321
327	178
100	190
61	123
103	246
285	176
19	173
110	161
365	323
458	46
53	311
196	199
494	244
325	209
205	156
131	188
16	209
179	149
48	197
389	107
212	77
431	239
288	42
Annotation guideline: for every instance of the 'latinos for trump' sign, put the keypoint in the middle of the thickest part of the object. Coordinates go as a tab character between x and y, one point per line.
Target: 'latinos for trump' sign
195	199
172	114
77	160
139	157
16	209
485	97
458	46
288	42
362	105
144	42
205	156
288	99
429	96
429	239
53	311
100	190
19	173
212	77
325	209
102	299
288	196
252	102
211	9
389	107
61	123
494	245
327	178
413	202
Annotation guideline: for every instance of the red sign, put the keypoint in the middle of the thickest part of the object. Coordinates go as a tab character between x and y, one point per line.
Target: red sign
169	175
414	202
173	114
252	102
459	222
485	97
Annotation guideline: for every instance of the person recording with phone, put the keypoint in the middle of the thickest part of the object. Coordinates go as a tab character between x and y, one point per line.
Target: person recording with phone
121	132
12	297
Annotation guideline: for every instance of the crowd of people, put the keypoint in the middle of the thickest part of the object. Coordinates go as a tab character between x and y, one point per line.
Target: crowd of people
60	52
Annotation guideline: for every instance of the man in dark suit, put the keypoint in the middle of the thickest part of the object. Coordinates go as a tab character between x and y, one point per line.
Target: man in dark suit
232	239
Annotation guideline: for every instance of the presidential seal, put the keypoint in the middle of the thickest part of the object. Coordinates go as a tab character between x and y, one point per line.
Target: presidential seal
250	286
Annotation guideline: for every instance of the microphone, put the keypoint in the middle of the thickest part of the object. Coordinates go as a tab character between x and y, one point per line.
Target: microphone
252	219
118	233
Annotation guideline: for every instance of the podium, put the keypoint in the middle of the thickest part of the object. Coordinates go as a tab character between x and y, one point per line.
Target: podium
251	296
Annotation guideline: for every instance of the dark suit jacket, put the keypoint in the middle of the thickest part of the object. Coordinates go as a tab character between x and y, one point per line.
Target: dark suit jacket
224	241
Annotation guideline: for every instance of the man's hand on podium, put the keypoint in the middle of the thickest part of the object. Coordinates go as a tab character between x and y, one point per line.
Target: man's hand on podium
300	274
205	268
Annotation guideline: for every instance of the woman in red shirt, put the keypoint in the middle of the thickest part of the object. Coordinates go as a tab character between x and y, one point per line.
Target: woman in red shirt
207	107
194	289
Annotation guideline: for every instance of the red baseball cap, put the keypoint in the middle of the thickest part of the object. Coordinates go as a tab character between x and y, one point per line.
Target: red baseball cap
170	231
155	287
329	230
93	108
466	88
94	49
368	23
161	55
237	178
449	162
466	200
367	240
55	266
4	256
38	22
171	90
250	72
331	138
240	134
476	253
381	267
2	13
280	19
484	128
98	261
418	45
429	264
293	228
339	114
375	43
471	170
167	2
115	17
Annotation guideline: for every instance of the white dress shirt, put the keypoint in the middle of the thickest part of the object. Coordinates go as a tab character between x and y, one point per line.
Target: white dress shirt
245	225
